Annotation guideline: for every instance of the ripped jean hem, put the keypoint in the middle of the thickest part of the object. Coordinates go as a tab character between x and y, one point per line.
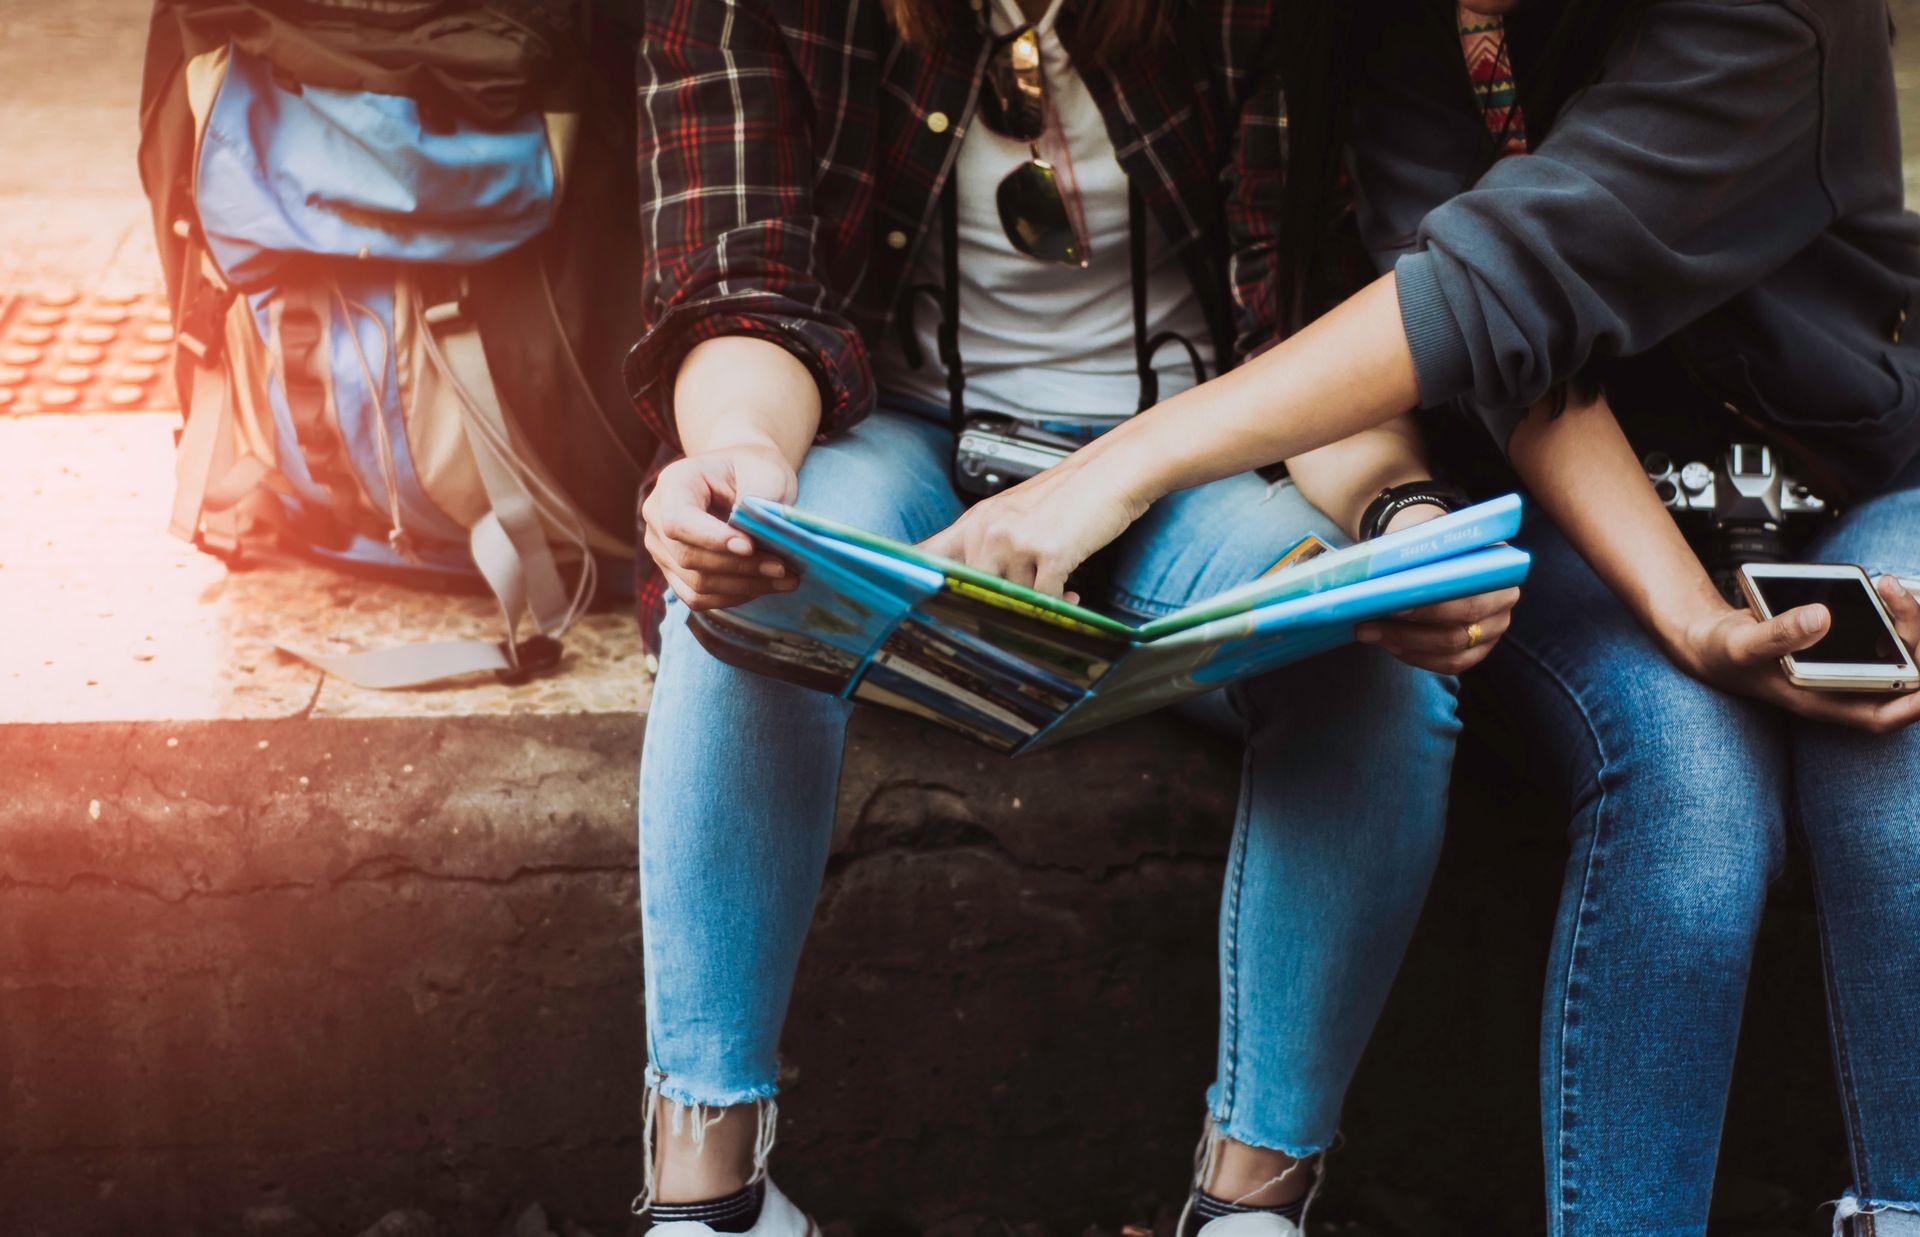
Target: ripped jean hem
1299	1151
695	1117
1206	1158
685	1097
1905	1224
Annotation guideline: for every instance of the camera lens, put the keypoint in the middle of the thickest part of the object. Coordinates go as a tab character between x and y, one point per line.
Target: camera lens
1742	542
1658	464
1753	543
1668	492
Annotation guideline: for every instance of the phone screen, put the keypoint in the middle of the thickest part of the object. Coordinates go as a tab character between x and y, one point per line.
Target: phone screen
1859	636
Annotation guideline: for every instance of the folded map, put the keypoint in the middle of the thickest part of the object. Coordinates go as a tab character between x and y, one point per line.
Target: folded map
887	624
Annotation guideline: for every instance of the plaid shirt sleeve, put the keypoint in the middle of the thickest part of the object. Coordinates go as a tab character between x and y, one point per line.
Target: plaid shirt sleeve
1253	181
726	208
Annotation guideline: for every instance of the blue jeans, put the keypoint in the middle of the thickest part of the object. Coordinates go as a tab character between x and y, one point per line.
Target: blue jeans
1342	801
1682	799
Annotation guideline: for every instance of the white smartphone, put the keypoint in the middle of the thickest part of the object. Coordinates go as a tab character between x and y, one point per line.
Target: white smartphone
1862	652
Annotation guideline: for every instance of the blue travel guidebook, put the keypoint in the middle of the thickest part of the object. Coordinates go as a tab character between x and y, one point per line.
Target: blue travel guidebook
888	624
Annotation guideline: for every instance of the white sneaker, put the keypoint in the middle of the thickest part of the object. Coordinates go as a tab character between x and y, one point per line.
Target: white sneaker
780	1218
1247	1224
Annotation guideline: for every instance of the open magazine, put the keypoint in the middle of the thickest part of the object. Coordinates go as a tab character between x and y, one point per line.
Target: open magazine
887	624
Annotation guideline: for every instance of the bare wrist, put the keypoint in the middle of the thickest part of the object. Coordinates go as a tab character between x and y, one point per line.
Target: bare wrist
740	444
748	444
1681	628
1132	465
1406	517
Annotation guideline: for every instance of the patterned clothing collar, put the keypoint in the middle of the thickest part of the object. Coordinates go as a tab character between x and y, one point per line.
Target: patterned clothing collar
1483	41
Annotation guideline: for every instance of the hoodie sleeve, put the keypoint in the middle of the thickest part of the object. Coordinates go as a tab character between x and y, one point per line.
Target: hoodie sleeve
1682	176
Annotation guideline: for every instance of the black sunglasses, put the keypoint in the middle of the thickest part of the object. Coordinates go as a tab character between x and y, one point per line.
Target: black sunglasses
1033	202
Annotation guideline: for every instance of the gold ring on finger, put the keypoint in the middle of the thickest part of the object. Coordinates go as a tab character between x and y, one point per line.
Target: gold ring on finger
1473	634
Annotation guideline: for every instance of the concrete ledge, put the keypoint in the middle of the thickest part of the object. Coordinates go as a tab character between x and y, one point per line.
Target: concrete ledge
350	965
233	996
252	962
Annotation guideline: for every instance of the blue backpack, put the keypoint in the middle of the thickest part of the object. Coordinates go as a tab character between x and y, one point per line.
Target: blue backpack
352	269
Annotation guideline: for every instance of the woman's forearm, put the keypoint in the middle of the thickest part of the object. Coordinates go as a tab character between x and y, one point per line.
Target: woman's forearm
747	410
1581	470
1349	371
1342	478
741	392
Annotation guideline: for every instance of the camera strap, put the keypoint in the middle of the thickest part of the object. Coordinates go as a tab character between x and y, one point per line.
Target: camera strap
948	334
1137	264
1143	356
950	304
1147	348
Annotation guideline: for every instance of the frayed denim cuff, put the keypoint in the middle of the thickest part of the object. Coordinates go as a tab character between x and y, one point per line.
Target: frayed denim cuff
1887	1219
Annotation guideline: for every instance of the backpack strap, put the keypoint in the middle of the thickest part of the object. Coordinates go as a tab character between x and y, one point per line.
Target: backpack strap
206	446
509	543
515	542
211	476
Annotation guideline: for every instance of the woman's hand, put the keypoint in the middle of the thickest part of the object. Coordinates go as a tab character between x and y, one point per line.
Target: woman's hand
747	411
1738	652
1582	470
1448	637
1442	637
707	562
1040	530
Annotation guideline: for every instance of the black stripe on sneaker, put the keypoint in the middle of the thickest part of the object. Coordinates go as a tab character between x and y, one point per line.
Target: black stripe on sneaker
1206	1207
736	1213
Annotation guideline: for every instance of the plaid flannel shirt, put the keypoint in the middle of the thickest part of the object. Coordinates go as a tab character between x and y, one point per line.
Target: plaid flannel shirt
793	153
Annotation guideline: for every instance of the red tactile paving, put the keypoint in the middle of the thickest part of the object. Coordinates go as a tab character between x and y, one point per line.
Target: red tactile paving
64	350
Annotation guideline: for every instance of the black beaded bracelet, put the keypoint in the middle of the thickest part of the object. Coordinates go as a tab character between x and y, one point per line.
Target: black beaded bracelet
1395	499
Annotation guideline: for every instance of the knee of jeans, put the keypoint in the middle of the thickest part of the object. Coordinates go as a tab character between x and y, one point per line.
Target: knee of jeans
690	681
1701	891
885	477
1693	749
1694	809
681	652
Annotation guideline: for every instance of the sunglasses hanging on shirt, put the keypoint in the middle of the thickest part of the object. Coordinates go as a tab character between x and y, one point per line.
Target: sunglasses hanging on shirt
1039	208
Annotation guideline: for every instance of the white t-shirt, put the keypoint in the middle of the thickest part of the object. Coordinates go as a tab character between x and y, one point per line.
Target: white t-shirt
1039	340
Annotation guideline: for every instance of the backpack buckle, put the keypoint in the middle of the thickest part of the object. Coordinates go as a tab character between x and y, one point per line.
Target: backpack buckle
529	659
451	310
203	326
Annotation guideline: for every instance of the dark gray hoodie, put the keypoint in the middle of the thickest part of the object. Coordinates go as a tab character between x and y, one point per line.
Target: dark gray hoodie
1728	189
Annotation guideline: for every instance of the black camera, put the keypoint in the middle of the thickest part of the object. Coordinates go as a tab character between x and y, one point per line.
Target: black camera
1742	509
